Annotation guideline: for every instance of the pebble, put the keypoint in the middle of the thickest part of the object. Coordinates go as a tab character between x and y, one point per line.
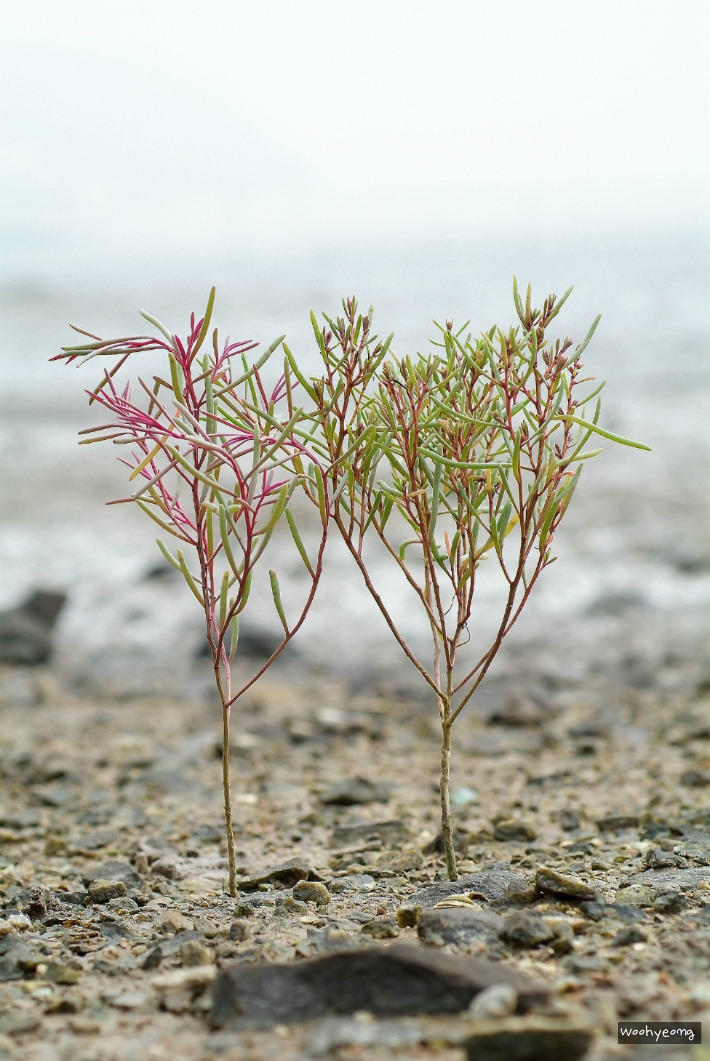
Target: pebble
193	952
353	791
496	884
174	921
458	925
551	882
625	937
353	882
388	832
498	1000
115	871
288	873
102	891
239	930
508	829
528	1039
311	892
59	973
380	928
526	928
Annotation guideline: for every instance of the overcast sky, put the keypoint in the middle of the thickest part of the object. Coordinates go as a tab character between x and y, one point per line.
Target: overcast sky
274	124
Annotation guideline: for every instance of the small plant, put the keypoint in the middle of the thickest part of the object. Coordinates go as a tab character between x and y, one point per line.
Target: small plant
476	450
217	459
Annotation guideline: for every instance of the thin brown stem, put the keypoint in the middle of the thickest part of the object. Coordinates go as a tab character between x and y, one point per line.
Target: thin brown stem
445	796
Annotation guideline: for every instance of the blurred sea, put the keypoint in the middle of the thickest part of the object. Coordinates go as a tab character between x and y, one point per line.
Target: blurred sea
638	529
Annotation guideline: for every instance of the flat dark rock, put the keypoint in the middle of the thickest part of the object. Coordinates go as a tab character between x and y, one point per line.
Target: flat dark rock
288	873
394	832
115	871
595	911
529	1039
385	981
353	791
25	631
690	876
459	925
495	884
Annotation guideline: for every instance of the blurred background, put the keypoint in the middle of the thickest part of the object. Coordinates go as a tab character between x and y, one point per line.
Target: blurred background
293	154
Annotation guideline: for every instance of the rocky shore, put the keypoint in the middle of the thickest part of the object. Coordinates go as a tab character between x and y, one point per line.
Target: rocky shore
583	831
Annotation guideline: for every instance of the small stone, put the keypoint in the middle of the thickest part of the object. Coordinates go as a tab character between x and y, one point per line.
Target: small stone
526	928
388	832
550	882
623	911
179	987
354	882
509	829
173	922
669	902
353	791
116	871
458	925
626	936
101	891
168	868
61	974
153	958
496	884
617	823
239	930
311	892
408	916
695	778
498	1000
399	862
637	895
528	1039
128	1000
195	953
287	873
656	859
380	928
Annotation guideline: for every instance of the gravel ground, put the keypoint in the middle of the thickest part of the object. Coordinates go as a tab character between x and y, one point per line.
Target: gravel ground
583	783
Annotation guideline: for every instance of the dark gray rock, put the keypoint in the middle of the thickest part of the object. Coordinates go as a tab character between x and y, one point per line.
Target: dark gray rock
287	873
26	631
616	823
389	832
528	1039
115	871
656	859
626	936
496	884
514	830
596	911
671	902
385	981
353	791
695	778
18	960
526	928
682	878
458	925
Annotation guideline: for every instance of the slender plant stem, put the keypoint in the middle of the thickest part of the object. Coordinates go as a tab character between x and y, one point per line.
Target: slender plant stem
444	789
226	787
